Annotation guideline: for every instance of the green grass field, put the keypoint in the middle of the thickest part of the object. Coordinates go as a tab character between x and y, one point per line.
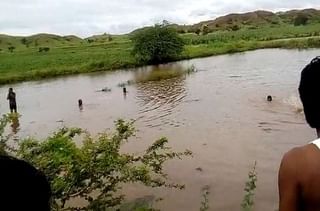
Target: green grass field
71	55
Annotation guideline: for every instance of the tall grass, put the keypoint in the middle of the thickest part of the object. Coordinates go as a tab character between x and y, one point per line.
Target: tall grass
251	185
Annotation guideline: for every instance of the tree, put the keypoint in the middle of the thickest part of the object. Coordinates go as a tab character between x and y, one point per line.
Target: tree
235	27
157	44
24	41
94	169
44	49
301	19
198	31
205	29
90	40
11	48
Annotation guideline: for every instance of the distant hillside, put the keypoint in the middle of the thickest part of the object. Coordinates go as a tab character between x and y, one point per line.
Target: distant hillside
38	40
254	20
250	20
99	38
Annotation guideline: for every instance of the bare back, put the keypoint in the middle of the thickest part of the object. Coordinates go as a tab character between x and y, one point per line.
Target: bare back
299	175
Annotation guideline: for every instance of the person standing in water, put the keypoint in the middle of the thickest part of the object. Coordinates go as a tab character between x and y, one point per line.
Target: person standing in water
299	184
12	100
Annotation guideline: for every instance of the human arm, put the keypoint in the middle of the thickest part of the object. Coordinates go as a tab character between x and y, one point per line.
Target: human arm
288	183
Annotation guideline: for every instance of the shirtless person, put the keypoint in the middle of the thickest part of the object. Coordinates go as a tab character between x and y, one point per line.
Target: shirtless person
299	173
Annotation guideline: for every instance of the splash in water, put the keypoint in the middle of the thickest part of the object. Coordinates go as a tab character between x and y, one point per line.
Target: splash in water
295	103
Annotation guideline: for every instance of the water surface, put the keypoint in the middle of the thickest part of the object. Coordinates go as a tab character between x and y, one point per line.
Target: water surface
219	112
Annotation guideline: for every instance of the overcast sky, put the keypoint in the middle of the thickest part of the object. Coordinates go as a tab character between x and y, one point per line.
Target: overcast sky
88	17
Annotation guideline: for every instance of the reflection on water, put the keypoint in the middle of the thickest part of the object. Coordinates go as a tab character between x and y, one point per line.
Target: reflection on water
161	72
159	93
14	123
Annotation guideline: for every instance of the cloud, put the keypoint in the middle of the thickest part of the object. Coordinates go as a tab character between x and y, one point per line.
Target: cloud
87	17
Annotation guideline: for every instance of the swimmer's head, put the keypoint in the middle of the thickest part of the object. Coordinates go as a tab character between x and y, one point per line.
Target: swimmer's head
80	102
269	98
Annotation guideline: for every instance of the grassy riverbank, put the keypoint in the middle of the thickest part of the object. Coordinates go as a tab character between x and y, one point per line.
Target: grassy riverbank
76	56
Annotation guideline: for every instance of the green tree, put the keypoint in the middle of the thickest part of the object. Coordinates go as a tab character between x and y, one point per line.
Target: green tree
198	31
301	19
11	48
205	29
24	41
157	44
94	169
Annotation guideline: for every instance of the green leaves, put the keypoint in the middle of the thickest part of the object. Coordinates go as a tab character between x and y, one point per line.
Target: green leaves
251	185
93	169
157	44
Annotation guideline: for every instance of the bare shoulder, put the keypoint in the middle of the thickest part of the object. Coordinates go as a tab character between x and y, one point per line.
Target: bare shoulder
295	153
297	156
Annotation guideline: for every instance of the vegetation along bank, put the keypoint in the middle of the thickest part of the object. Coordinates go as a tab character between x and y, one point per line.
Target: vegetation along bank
44	55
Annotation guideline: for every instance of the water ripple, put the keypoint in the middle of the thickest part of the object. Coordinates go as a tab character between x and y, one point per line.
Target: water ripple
158	101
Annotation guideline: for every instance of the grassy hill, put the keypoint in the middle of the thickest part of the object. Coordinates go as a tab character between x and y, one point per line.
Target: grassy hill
47	55
38	40
253	20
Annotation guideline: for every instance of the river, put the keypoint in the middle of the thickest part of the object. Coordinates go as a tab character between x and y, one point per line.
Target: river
219	112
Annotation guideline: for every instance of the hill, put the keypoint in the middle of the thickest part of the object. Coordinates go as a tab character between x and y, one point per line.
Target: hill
38	40
253	20
47	55
231	22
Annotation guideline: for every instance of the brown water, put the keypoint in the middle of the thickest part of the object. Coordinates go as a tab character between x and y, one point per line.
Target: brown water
219	112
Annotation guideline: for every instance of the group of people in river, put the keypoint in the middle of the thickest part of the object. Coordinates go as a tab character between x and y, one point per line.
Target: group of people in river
299	184
11	97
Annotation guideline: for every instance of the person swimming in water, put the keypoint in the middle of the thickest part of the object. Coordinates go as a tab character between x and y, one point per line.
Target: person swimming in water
299	171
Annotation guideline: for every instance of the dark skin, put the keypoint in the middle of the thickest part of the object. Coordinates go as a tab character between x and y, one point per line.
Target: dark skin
299	182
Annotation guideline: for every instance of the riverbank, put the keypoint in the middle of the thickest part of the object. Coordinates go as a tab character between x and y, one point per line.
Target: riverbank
30	64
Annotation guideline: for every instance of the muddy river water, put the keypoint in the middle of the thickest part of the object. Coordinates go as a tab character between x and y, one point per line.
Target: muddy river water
219	112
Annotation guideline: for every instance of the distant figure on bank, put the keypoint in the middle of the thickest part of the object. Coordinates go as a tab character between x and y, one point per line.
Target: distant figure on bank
269	98
124	90
23	187
299	173
12	100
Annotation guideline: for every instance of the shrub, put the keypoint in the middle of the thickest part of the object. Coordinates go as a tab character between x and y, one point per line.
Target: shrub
94	169
301	19
157	44
44	49
11	48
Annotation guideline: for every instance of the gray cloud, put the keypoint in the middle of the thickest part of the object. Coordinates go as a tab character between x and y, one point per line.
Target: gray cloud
87	17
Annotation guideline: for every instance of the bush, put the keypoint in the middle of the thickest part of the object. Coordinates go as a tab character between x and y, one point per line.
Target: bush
205	30
94	169
24	41
157	44
250	187
11	48
44	49
301	19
